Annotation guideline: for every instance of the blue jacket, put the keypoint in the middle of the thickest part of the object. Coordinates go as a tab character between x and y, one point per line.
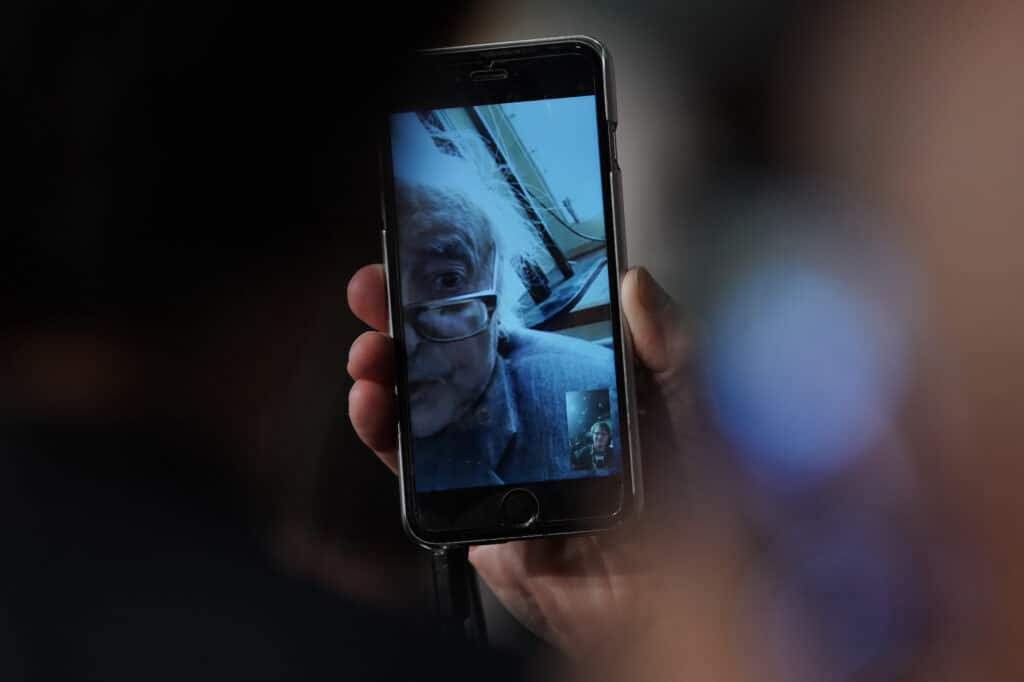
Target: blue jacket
518	432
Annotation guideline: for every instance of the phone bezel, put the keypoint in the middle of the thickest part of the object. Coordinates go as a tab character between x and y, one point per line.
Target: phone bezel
408	96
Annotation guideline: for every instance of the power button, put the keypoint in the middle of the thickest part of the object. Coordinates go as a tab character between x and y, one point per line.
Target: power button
612	127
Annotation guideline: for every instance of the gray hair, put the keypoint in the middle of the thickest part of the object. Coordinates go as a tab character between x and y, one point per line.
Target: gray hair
467	225
470	225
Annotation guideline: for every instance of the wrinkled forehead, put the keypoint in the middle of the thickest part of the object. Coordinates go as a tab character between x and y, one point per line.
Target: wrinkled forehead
429	243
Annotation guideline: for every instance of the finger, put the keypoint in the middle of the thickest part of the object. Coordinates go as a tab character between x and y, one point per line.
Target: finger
367	296
371	357
371	407
659	339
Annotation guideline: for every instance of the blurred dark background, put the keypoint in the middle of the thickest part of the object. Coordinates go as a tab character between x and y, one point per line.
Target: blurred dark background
831	191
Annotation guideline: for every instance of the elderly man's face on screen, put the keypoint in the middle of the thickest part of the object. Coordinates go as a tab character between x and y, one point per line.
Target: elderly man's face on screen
448	263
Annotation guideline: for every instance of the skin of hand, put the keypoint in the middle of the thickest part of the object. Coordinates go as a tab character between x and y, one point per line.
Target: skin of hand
575	591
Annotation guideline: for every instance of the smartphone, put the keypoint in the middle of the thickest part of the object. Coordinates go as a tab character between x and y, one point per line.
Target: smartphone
504	250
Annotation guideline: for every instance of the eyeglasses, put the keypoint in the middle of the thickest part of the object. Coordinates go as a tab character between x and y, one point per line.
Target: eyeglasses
457	317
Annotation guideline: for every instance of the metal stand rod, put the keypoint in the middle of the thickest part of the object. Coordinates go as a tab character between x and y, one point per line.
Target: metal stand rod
457	595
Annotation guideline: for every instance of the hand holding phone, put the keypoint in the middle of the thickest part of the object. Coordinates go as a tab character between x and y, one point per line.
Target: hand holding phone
504	249
573	591
500	295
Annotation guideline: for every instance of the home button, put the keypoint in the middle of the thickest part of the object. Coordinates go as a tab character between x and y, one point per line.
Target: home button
519	507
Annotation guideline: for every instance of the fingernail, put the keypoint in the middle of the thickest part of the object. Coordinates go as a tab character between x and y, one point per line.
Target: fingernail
652	297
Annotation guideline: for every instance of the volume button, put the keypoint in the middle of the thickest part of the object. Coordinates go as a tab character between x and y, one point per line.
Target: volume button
613	143
387	277
383	212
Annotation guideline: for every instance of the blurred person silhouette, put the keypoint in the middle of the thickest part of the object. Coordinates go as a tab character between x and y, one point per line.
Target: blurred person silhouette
935	141
896	558
183	186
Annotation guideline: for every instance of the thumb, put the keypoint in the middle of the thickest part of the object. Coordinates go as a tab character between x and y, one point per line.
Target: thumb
654	322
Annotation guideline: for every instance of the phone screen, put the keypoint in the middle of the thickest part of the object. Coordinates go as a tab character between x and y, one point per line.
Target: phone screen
505	288
506	314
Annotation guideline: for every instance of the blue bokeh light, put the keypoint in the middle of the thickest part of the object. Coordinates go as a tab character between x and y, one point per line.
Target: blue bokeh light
804	368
